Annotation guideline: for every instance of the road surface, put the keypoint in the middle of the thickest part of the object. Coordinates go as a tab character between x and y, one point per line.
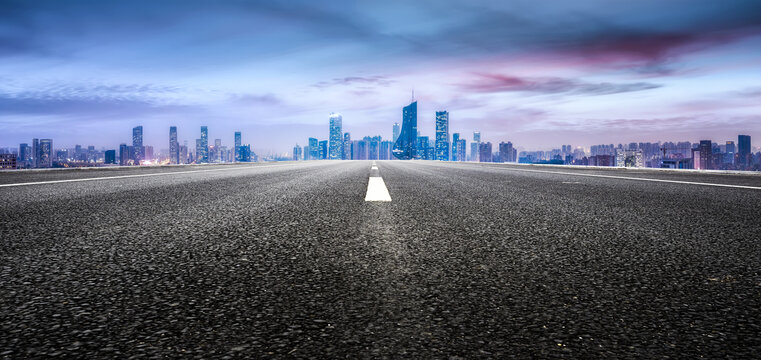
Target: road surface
466	260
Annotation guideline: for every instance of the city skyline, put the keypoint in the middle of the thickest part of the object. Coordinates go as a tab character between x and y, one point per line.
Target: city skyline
635	72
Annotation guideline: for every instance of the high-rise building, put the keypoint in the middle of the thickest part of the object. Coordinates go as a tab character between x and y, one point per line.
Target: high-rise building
456	156
460	148
743	151
385	150
35	152
475	150
174	146
484	152
137	144
202	146
237	145
335	152
361	153
297	152
323	150
314	149
404	147
442	136
347	147
46	154
124	155
373	147
25	156
109	157
705	153
729	154
507	153
395	132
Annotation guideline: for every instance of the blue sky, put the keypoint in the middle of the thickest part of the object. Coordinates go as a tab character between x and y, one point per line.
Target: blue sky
539	74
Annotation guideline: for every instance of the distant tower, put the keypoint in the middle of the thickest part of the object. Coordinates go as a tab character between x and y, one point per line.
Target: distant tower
442	135
203	146
396	132
405	145
335	151
237	145
174	146
137	144
46	153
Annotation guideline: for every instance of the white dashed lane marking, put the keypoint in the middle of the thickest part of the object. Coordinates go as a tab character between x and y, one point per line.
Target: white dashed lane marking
376	188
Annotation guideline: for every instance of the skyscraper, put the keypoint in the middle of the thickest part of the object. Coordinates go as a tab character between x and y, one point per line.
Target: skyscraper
174	146
25	156
395	133
729	156
347	147
484	152
456	156
706	155
474	146
507	152
46	153
109	157
314	149
237	145
297	152
460	144
743	151
35	152
123	155
336	137
404	147
323	150
442	136
137	144
202	151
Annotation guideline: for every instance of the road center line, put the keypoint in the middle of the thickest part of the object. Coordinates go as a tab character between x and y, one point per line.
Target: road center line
376	190
635	178
130	176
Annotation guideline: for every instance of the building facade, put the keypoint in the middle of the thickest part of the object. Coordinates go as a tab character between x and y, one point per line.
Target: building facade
335	149
404	147
442	136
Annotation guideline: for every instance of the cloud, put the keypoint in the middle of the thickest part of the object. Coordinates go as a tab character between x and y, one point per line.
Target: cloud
494	83
255	99
355	80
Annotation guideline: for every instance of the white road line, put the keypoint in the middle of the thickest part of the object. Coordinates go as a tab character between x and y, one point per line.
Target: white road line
376	190
374	168
637	178
131	176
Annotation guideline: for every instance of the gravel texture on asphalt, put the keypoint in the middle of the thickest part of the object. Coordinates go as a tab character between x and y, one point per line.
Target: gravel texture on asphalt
468	260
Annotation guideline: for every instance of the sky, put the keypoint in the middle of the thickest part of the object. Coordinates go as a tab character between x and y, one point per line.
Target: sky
537	73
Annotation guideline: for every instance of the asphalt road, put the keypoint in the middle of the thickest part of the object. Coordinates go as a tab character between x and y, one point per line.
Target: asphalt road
467	260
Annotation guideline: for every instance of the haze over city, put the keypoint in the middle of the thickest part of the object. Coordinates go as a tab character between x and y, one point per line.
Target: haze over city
537	74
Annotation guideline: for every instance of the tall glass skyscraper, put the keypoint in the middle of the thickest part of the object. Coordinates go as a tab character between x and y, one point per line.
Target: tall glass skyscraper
137	144
456	155
347	147
335	151
174	146
404	147
203	146
395	131
314	149
237	146
442	135
46	153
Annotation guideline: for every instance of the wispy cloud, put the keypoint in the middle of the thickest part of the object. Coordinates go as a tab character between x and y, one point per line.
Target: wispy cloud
494	83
